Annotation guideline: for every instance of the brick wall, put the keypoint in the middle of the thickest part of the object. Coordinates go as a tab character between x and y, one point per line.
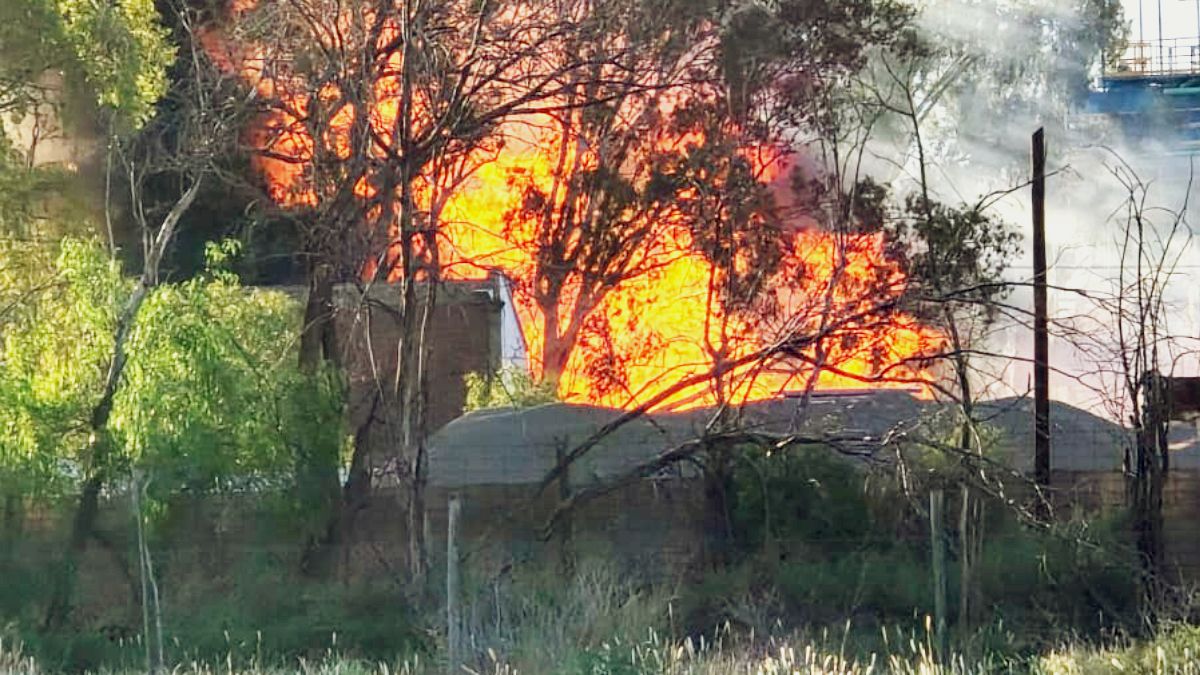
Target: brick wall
463	337
1104	491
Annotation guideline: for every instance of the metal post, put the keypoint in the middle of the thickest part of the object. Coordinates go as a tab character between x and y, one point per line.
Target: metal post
1141	22
1041	339
453	622
1162	64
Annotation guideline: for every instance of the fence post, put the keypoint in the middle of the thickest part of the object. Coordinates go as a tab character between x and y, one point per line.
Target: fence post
938	541
150	607
453	620
566	561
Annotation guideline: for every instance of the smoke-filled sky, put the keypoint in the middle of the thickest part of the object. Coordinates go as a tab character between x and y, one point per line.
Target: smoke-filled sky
1086	217
989	150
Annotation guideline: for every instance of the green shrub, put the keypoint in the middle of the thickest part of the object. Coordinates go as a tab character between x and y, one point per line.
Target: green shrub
25	588
704	604
78	651
510	388
807	499
276	618
1069	578
882	587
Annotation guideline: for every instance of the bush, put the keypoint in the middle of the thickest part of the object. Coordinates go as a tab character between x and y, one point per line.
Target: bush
509	388
266	623
872	586
272	617
1070	578
81	652
824	541
808	500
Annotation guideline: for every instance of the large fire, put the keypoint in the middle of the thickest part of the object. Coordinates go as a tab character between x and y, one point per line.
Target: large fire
654	328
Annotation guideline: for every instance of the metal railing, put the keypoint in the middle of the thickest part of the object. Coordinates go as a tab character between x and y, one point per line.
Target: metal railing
1172	56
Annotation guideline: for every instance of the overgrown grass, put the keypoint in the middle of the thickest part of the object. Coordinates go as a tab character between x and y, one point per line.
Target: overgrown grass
263	618
1176	651
837	580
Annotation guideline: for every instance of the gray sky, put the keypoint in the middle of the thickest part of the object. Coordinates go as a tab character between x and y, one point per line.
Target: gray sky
1178	18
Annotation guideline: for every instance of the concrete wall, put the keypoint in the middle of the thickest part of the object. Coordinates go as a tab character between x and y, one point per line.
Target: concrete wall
653	528
1104	492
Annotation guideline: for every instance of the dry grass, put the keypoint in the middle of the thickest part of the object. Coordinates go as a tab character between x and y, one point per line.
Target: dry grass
1176	653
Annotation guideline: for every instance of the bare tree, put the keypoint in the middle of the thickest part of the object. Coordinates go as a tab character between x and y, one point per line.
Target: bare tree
955	258
374	113
1130	339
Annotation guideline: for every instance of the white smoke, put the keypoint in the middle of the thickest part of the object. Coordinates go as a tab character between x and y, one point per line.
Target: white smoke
978	142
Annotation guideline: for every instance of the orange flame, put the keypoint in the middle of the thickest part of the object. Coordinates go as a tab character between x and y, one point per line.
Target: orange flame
647	333
660	327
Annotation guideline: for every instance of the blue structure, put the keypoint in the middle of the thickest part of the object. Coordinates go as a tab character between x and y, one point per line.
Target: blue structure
1154	94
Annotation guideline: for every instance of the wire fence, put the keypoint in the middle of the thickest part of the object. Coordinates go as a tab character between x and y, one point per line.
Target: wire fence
231	568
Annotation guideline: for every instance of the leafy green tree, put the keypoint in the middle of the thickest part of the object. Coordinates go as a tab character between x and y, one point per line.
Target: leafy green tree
71	69
186	148
212	398
55	339
118	51
123	51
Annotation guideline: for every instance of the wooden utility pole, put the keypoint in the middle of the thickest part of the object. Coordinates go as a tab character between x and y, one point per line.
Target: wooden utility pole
1041	338
453	622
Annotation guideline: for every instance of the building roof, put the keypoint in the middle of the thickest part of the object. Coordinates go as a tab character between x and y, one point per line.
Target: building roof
514	447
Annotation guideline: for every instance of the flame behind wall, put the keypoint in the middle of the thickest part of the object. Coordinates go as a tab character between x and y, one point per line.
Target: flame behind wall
652	329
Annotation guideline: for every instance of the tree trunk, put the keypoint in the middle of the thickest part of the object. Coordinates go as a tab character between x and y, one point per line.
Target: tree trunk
99	456
409	379
1148	476
719	522
99	449
317	479
317	337
970	527
12	528
345	502
82	526
559	341
410	390
554	352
